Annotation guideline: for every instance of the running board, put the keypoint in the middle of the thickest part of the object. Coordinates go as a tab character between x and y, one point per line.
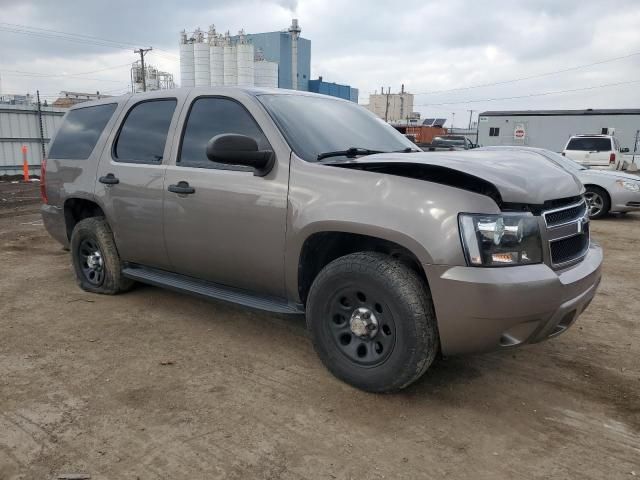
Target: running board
209	290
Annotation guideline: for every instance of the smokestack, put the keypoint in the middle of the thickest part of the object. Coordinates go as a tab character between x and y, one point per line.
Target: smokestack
294	31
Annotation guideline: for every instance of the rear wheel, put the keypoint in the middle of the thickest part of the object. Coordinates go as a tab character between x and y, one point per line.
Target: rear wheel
598	202
95	258
372	322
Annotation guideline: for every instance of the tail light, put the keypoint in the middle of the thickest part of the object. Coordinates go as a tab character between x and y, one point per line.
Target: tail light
43	181
612	159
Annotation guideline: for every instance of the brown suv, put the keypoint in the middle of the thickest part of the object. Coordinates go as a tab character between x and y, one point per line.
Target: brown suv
299	203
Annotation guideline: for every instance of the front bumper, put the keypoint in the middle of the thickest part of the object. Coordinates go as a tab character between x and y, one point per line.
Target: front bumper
624	200
483	309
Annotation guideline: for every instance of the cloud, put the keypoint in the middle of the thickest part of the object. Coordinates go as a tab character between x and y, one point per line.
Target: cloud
427	45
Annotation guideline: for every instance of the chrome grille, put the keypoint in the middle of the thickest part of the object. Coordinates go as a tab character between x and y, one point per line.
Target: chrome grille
564	215
567	233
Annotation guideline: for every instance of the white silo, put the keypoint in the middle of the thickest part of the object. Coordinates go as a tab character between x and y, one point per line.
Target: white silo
187	74
201	60
230	62
245	61
216	58
266	74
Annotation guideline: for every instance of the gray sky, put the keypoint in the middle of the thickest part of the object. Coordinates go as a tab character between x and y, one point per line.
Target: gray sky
429	46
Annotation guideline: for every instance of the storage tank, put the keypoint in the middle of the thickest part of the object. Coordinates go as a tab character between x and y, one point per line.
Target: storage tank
187	73
245	61
266	74
201	60
230	62
216	58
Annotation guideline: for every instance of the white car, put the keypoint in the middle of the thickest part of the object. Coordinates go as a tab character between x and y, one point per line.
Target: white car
606	191
594	150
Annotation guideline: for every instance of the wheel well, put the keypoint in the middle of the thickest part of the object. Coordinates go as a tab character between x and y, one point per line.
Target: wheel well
322	248
76	209
604	190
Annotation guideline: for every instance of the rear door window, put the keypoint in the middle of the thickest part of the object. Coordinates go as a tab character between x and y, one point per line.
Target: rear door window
590	144
143	134
80	132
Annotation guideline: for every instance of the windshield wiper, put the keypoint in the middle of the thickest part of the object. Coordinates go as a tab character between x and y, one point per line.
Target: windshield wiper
351	152
407	150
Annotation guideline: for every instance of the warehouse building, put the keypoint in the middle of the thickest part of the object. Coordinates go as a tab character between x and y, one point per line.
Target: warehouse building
392	107
552	128
20	126
345	92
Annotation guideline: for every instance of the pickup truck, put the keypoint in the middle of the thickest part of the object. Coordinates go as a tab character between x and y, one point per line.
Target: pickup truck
298	203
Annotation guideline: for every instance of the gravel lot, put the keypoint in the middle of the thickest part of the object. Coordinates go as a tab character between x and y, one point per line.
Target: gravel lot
154	384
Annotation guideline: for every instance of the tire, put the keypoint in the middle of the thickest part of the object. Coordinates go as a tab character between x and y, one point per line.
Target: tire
404	341
100	273
598	202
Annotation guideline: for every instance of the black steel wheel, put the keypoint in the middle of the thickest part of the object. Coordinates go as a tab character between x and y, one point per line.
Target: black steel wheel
361	327
95	258
372	321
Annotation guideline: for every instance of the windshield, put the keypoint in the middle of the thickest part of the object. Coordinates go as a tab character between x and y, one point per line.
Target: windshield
564	162
314	125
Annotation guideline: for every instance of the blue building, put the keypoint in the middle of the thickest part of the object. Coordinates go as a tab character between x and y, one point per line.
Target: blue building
334	89
276	47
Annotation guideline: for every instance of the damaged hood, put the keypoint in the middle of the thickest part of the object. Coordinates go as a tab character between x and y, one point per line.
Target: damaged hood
517	176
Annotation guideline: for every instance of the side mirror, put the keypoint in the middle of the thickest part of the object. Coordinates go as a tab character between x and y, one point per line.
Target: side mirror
234	149
624	150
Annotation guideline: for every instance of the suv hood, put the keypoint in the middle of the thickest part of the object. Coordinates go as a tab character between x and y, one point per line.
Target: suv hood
519	177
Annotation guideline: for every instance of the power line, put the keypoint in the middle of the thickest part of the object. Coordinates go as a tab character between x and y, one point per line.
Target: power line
74	37
529	95
539	75
20	73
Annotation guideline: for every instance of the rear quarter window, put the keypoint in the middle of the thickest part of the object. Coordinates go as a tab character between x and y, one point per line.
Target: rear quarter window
80	132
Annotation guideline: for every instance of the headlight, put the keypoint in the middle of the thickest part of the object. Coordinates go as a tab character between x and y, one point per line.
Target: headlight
629	185
500	240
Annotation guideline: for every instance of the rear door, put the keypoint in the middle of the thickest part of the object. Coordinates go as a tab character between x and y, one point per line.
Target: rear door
231	228
130	178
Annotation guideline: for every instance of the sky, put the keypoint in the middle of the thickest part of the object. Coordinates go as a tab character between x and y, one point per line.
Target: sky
436	49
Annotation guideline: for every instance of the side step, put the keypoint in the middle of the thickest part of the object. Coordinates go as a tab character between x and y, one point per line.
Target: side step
209	290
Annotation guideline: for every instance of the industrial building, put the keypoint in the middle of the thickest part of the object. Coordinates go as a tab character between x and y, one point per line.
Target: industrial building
272	59
20	126
552	128
69	99
392	107
154	79
334	89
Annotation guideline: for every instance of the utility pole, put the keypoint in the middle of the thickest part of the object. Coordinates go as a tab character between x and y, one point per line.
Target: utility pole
470	117
386	110
41	126
142	52
453	119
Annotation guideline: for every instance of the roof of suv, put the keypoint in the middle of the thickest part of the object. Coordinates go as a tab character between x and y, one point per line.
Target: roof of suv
252	91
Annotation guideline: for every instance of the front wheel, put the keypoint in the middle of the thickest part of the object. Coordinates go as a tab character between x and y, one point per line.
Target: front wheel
598	202
372	322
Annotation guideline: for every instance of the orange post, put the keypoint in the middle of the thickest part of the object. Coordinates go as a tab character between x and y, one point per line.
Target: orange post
25	164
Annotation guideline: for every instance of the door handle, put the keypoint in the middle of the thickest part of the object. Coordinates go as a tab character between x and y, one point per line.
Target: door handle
109	179
182	187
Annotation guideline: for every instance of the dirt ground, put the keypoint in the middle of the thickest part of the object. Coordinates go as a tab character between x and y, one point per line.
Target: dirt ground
154	384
